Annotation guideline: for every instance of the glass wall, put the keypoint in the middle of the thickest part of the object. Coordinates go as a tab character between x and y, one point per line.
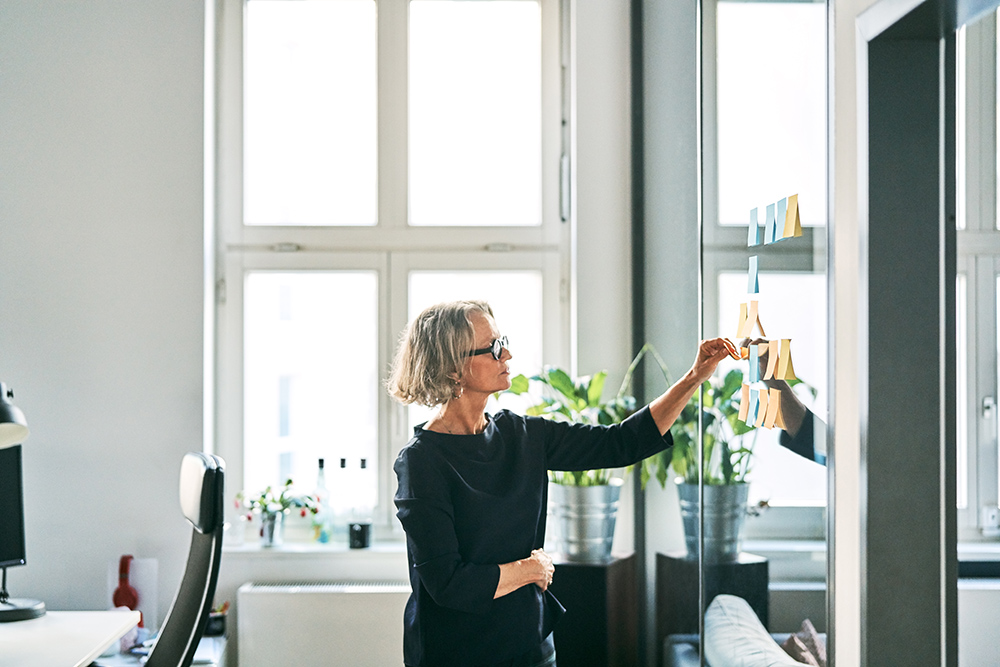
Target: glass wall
762	549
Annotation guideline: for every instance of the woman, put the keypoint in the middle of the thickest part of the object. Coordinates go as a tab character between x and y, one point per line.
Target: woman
472	490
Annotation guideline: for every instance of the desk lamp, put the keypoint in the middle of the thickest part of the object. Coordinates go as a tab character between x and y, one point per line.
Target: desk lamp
13	431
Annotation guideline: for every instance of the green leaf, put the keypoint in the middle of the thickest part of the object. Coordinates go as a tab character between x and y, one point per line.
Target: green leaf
518	384
537	410
562	383
727	462
596	388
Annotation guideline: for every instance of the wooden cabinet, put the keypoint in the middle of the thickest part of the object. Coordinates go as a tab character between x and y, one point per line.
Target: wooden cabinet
600	627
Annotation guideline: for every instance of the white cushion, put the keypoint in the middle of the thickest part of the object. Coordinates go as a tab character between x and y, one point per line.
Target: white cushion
735	637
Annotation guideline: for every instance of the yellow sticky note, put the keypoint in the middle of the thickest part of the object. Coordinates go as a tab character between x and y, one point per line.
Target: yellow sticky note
744	402
743	319
773	408
772	358
746	323
761	409
785	369
793	224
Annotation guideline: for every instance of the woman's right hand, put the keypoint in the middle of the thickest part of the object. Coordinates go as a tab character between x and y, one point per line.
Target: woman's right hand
536	569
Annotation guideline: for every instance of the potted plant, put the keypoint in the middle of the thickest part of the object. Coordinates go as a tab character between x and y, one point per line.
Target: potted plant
722	468
584	503
272	506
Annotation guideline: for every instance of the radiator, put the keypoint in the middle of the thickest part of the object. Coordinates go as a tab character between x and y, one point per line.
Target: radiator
354	624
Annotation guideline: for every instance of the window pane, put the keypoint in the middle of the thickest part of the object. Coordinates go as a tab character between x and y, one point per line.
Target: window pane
310	375
792	305
516	299
771	107
475	120
310	113
962	379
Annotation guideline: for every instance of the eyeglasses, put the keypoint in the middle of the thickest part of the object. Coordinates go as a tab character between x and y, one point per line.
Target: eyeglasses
496	348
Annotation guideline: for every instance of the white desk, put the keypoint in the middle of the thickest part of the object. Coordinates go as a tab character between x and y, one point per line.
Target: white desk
63	638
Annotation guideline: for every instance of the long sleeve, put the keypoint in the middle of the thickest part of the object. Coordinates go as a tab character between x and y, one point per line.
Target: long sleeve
583	447
425	509
803	443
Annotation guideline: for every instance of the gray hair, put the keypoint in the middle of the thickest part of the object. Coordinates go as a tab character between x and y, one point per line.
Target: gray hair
432	351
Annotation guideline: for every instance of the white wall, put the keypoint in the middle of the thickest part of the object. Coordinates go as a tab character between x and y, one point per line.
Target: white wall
101	190
602	151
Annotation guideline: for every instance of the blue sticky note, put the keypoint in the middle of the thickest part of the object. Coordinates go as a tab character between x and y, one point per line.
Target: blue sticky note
753	237
754	404
779	222
754	375
753	284
770	226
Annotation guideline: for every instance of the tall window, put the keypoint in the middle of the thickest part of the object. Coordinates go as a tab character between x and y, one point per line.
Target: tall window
977	309
765	139
376	156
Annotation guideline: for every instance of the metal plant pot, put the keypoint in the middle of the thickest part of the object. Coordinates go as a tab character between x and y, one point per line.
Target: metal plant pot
585	517
725	511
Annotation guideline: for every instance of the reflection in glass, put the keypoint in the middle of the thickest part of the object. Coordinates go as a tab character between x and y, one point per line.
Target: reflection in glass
310	115
475	121
771	107
516	299
310	379
793	305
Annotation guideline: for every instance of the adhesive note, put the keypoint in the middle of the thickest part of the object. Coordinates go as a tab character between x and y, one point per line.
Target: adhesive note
773	408
736	353
770	226
753	284
793	225
754	374
753	235
773	347
779	219
748	317
752	412
761	408
785	369
744	402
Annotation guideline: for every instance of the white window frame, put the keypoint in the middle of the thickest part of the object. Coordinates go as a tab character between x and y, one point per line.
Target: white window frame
391	248
979	260
724	249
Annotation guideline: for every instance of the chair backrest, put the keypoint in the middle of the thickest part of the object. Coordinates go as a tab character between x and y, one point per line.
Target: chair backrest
201	493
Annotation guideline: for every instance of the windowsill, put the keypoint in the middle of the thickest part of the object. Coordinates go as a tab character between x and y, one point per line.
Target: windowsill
792	561
977	551
393	547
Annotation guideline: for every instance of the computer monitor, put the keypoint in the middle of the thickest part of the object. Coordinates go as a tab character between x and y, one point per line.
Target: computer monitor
12	547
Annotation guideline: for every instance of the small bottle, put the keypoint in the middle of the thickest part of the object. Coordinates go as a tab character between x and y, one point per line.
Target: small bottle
340	499
321	519
359	530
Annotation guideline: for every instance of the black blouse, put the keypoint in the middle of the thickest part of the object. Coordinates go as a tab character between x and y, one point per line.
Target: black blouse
471	502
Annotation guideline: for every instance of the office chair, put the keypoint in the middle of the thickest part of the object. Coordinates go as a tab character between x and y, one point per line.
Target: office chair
201	491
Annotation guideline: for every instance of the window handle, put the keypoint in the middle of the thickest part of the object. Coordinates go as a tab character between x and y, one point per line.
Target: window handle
989	407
